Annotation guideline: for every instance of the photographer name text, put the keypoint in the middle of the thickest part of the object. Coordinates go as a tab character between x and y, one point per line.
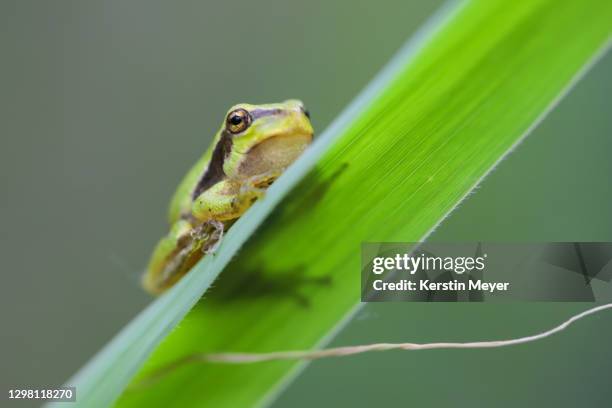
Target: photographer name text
423	263
427	285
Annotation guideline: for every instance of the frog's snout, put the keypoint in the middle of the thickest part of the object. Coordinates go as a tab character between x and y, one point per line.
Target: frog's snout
305	111
302	108
296	103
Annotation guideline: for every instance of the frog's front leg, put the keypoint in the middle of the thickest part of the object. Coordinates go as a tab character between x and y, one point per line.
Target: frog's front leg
227	201
224	201
257	185
210	233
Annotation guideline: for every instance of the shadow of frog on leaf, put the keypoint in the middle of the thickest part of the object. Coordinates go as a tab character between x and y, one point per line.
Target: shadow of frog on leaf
254	283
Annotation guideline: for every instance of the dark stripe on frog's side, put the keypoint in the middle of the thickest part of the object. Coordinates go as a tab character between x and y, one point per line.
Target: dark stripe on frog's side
214	172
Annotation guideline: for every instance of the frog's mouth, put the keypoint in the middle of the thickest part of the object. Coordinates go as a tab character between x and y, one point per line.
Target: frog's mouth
275	153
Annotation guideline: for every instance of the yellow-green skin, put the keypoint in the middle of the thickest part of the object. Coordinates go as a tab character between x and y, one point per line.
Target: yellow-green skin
251	160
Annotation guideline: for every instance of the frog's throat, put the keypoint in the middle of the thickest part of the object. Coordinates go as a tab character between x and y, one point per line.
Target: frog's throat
274	154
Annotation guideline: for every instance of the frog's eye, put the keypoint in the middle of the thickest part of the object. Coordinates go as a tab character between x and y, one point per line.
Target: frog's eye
238	121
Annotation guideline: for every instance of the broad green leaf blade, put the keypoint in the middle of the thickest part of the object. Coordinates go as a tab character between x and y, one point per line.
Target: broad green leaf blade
390	168
461	102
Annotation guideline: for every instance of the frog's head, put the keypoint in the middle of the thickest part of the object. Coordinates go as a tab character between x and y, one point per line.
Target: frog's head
265	138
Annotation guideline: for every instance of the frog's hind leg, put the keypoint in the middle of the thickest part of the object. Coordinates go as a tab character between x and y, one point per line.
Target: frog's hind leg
172	258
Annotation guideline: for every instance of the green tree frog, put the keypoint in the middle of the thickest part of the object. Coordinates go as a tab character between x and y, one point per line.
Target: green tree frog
255	144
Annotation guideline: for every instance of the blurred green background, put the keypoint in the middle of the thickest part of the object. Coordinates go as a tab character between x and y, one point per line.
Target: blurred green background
106	104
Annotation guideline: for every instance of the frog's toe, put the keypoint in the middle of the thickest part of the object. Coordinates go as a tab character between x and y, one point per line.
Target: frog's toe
215	236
